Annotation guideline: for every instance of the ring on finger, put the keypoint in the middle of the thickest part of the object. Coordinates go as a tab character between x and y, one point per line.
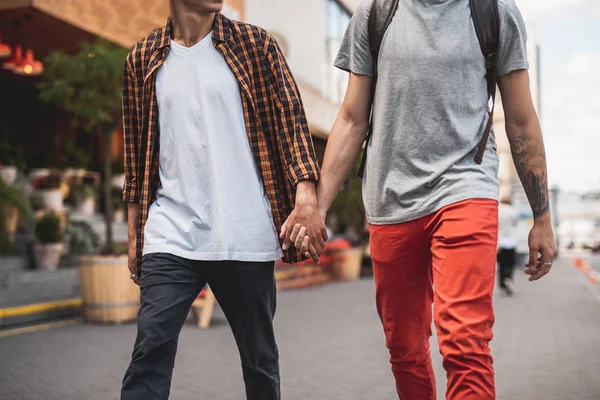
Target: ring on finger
548	265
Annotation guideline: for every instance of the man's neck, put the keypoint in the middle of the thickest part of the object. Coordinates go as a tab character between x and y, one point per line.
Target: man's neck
189	25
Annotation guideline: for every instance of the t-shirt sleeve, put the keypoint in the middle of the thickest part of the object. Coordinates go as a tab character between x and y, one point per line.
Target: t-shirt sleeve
355	53
512	54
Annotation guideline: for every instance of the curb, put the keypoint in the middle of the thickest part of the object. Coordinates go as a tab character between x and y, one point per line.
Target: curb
39	312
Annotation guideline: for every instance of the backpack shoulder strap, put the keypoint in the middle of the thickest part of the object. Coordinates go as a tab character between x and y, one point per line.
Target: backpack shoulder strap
486	19
380	17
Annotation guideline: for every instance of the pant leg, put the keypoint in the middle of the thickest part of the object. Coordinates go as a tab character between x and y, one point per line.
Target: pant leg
464	237
247	295
402	272
168	287
512	261
502	270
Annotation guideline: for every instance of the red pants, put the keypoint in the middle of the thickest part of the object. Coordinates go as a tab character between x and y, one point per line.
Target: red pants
447	259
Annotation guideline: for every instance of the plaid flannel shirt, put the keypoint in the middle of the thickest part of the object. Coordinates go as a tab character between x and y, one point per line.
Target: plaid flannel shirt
275	120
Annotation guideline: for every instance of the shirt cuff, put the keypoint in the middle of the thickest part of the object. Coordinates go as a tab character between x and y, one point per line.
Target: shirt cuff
302	172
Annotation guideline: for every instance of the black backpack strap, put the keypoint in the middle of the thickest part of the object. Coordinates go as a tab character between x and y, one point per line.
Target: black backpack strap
380	17
486	19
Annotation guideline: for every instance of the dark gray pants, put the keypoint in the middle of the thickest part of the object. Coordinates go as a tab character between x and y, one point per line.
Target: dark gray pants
169	285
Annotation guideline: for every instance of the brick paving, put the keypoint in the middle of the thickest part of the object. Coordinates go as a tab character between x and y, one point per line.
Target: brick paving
547	347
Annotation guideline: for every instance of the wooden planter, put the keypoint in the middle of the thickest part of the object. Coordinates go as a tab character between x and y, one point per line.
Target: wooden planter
346	263
107	293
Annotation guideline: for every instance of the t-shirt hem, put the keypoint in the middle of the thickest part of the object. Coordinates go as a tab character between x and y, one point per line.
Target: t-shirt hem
346	66
512	68
215	256
411	216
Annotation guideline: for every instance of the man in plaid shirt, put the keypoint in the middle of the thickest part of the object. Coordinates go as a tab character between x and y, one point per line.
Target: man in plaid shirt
218	156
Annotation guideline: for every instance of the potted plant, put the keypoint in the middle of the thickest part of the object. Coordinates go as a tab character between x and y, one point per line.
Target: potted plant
11	162
84	198
87	85
51	193
49	235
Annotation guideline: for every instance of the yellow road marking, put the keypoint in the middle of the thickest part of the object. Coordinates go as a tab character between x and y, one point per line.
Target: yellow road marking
38	308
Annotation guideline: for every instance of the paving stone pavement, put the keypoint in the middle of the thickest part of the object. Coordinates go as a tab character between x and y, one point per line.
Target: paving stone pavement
547	347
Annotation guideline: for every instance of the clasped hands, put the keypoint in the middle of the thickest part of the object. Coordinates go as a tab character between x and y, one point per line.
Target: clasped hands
305	227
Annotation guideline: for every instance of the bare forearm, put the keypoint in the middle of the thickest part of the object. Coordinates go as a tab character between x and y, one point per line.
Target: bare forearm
344	143
529	155
306	193
132	220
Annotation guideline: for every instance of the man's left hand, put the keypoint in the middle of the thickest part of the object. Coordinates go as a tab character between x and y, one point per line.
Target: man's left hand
541	249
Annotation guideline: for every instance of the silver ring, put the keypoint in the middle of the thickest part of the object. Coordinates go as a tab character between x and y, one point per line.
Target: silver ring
548	264
132	276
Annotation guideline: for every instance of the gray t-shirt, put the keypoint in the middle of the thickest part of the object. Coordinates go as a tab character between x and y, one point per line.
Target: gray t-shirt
430	105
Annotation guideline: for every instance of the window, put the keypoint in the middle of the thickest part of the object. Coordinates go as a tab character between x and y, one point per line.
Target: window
337	18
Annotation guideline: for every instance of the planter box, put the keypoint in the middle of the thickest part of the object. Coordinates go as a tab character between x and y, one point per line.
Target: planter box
347	263
48	256
8	174
108	295
52	199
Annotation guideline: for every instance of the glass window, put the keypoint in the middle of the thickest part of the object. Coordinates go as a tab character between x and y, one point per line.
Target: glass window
337	18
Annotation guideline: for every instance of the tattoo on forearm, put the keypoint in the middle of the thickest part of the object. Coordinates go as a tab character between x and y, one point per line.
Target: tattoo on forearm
530	162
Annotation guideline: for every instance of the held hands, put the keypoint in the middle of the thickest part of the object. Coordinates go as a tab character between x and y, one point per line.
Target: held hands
541	249
305	230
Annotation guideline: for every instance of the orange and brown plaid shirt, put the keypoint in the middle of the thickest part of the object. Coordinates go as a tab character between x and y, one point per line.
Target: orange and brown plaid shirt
275	121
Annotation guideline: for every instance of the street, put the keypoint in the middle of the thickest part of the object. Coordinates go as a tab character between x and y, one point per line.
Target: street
332	347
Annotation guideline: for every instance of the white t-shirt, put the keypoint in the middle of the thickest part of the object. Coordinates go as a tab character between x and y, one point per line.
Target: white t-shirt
508	219
212	204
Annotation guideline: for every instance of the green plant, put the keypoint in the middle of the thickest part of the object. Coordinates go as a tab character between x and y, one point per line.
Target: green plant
74	157
82	238
11	198
81	193
118	203
48	229
88	86
348	211
118	167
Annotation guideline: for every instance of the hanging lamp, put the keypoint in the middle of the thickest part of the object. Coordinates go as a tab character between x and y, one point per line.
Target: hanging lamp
15	60
29	66
5	50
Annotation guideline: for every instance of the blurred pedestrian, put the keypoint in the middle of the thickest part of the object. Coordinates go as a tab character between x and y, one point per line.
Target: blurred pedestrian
207	196
507	243
430	184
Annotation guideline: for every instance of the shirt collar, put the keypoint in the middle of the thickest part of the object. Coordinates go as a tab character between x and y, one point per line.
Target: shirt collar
221	32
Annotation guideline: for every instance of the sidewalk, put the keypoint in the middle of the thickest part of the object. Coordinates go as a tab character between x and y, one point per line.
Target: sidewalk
547	347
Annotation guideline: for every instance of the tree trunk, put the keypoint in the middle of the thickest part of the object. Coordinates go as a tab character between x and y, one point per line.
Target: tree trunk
108	208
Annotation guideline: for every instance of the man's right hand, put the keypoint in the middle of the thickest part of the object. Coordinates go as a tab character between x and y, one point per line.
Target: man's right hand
132	261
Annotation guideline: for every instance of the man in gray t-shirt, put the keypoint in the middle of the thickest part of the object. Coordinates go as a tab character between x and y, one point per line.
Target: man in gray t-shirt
433	210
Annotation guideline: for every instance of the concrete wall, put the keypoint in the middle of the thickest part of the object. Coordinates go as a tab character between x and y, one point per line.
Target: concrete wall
300	26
